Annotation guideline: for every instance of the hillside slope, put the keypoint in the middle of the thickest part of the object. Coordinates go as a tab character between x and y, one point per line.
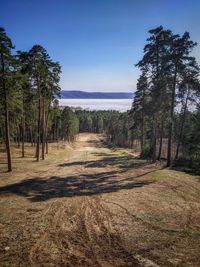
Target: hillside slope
93	206
95	95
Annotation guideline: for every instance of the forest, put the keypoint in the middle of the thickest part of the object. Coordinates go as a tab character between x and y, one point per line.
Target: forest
101	188
164	119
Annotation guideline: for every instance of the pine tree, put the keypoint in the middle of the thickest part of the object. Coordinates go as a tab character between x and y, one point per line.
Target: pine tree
179	58
155	63
6	68
140	107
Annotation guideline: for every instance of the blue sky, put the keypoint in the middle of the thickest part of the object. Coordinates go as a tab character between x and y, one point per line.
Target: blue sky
97	42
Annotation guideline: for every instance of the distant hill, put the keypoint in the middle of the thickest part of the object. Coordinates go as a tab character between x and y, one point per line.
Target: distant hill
95	95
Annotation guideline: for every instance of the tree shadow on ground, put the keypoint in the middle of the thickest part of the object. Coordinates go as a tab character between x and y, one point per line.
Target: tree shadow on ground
96	143
123	162
38	189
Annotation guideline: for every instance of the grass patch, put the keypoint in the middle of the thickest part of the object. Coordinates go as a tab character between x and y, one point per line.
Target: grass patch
29	163
170	174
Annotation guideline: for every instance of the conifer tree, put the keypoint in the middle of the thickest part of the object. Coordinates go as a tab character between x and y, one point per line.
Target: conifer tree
6	68
179	59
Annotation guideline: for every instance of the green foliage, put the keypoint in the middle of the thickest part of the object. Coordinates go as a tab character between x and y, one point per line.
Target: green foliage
169	77
192	139
69	124
167	86
146	151
29	82
114	124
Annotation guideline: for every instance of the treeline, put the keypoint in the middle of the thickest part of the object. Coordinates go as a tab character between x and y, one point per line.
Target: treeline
115	125
165	113
123	129
29	111
167	86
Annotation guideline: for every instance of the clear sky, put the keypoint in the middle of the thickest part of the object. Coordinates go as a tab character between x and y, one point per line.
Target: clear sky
97	42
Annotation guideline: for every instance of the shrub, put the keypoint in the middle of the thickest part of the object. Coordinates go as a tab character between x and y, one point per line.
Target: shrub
146	152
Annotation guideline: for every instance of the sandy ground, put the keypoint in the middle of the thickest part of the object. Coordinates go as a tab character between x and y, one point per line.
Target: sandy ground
90	205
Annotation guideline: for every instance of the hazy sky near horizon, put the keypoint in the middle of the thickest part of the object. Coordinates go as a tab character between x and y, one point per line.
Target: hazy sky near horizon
97	42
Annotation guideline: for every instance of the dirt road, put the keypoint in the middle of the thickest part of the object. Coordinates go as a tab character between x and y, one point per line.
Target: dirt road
97	206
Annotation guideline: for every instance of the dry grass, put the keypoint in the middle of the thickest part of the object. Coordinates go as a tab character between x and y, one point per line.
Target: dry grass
94	206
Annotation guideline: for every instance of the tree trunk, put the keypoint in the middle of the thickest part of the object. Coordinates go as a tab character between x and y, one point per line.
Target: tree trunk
43	127
171	124
18	136
182	124
31	136
54	133
9	160
57	134
47	147
142	132
46	127
23	126
154	138
38	128
161	139
7	129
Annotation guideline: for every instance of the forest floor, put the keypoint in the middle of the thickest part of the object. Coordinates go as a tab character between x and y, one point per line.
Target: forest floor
94	206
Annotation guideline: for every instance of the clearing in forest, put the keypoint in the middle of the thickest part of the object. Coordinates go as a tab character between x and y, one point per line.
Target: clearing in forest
90	205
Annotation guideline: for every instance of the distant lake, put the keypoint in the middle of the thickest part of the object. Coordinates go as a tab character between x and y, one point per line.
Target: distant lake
98	104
